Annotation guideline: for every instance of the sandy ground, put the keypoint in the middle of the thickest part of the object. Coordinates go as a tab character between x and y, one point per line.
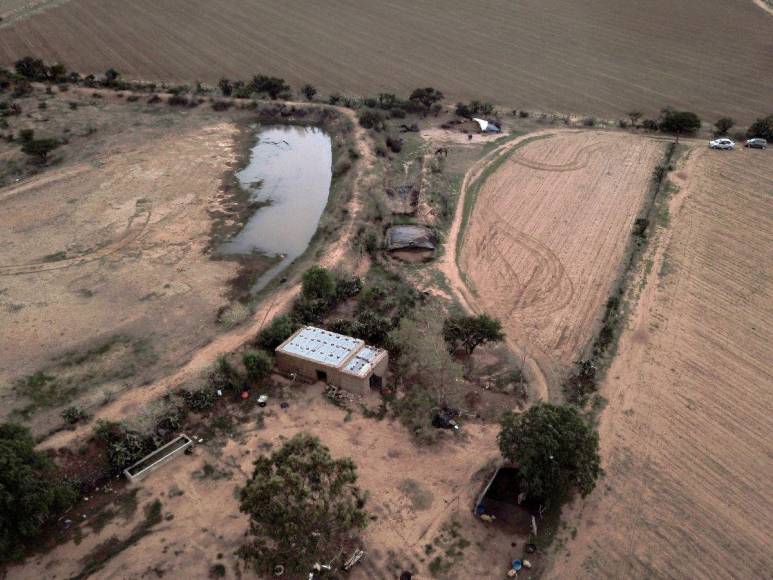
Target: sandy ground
686	436
206	520
547	234
591	57
115	246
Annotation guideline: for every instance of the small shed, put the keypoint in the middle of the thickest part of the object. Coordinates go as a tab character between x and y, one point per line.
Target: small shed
339	360
410	238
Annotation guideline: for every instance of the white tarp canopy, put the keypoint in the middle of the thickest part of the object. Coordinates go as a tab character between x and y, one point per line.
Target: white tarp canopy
485	126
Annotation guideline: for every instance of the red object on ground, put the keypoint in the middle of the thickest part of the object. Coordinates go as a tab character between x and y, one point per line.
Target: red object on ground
245	394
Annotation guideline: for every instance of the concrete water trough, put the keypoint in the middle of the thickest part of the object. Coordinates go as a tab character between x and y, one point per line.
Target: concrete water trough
158	457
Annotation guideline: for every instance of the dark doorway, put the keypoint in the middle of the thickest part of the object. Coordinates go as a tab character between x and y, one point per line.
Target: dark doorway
376	382
322	376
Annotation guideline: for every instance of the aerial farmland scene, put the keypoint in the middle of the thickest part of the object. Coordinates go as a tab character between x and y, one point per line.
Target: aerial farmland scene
401	290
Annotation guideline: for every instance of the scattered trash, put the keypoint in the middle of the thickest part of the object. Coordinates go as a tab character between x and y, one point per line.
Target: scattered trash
487	518
511	573
284	404
531	548
262	400
245	395
517	565
444	419
354	559
526	564
279	570
220	392
201	440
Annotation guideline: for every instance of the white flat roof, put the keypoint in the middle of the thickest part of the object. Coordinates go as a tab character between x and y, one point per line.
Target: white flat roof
331	349
322	346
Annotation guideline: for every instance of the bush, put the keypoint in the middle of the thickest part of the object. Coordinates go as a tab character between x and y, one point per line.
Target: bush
397	113
221	105
31	491
33	69
589	121
124	446
224	376
225	86
274	87
650	124
723	125
199	401
73	415
154	99
39	149
318	283
762	128
278	330
308	91
426	97
178	101
372	120
395	144
258	365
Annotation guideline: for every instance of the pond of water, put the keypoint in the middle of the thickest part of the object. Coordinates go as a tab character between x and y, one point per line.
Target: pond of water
291	167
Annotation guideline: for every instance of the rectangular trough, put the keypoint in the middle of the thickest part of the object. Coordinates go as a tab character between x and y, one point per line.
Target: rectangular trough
158	457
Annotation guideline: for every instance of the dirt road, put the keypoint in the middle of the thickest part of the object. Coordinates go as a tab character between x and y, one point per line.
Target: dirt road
685	438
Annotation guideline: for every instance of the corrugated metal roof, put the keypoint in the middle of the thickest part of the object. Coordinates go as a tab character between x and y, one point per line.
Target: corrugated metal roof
322	346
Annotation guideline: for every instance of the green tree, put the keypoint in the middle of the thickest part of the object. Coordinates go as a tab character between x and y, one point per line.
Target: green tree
33	69
303	507
427	97
225	86
555	449
723	125
679	122
258	365
372	120
469	332
318	284
278	330
40	148
762	127
111	75
308	91
274	87
635	115
31	490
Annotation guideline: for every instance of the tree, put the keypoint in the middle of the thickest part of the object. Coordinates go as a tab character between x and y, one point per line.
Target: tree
274	87
427	97
258	365
308	91
635	115
225	87
31	490
679	122
275	333
57	73
33	69
762	128
40	148
723	125
318	284
470	332
555	449
111	75
304	507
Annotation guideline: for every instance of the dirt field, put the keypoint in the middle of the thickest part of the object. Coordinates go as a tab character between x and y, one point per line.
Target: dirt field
547	234
583	56
205	520
106	255
686	436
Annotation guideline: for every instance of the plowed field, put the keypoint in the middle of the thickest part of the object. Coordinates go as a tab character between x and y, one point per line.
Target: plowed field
585	56
547	235
686	438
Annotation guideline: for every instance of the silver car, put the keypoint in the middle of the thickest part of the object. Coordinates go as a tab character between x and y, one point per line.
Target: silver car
756	143
722	143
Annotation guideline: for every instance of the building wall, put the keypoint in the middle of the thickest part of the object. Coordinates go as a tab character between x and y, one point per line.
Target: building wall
287	364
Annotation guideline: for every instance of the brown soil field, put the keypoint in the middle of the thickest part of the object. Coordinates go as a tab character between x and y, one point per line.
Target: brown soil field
547	234
583	56
109	250
686	436
205	521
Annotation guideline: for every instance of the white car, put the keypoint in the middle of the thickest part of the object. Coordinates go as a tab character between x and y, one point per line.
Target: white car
722	144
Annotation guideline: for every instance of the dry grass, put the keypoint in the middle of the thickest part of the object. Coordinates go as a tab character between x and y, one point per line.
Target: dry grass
585	56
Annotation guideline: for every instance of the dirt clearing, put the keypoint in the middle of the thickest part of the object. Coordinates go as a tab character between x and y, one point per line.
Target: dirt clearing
592	57
547	234
686	436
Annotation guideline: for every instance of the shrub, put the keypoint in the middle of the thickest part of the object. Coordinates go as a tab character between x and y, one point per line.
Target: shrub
124	446
225	86
723	125
154	99
224	376
221	105
341	167
274	87
33	69
650	124
523	114
178	101
395	144
73	415
258	365
31	490
426	97
589	121
278	330
347	286
762	128
397	113
200	400
39	149
318	283
372	120
308	91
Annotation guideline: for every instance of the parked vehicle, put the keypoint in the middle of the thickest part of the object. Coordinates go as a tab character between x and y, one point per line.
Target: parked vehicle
722	143
756	143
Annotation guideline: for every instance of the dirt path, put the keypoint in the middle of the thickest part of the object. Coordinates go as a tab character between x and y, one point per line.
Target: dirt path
271	306
685	438
449	267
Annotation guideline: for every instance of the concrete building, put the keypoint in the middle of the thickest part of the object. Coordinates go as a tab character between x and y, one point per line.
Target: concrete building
342	361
